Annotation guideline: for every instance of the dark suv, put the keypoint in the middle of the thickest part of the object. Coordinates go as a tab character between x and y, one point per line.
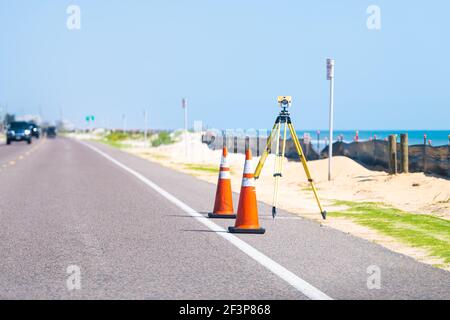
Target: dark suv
18	131
51	132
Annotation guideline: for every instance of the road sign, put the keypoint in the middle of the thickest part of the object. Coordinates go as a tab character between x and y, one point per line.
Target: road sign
330	69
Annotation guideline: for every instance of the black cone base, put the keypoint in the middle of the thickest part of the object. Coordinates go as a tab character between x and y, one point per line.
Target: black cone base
221	216
243	230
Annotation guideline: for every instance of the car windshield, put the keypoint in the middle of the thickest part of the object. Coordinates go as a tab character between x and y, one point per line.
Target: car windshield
19	125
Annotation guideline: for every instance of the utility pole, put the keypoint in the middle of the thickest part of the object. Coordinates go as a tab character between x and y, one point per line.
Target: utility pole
124	123
1	118
40	113
145	124
184	105
330	77
6	113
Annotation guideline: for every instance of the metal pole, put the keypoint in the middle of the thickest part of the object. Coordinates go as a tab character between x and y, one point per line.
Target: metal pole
184	105
4	119
1	119
145	125
330	74
257	143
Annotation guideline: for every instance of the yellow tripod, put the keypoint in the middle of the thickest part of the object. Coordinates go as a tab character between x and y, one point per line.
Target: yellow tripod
284	120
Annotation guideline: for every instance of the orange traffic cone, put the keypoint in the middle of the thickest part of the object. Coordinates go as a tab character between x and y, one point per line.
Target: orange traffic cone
223	206
247	215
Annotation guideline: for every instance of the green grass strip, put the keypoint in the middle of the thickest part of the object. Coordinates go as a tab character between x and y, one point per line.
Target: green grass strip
204	168
417	230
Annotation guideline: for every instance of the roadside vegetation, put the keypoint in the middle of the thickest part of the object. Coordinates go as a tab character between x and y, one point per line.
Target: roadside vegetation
162	138
118	139
202	168
417	230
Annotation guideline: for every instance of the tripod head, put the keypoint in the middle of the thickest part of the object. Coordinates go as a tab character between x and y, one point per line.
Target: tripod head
284	101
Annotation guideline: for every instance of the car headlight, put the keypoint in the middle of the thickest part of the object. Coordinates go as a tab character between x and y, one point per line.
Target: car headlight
27	132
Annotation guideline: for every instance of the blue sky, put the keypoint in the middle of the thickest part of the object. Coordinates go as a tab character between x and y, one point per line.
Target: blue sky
230	59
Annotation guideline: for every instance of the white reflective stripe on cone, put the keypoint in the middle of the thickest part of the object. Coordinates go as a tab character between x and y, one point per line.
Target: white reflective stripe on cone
248	182
248	167
225	175
224	162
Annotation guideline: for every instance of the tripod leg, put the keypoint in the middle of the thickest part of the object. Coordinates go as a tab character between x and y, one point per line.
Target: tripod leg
305	167
279	171
266	150
283	148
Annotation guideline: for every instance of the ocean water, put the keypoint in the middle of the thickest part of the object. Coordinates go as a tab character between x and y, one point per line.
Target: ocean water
415	137
434	137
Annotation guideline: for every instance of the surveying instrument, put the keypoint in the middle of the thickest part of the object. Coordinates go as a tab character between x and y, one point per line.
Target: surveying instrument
284	119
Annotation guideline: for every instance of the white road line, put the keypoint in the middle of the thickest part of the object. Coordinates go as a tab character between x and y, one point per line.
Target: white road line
295	281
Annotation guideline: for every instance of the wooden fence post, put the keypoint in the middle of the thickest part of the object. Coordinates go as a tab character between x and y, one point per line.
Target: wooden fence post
393	154
405	149
425	152
448	157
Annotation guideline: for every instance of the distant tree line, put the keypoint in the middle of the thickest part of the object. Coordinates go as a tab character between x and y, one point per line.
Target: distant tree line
7	119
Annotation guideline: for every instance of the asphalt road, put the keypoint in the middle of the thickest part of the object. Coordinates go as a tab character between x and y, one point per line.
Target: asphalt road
63	203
